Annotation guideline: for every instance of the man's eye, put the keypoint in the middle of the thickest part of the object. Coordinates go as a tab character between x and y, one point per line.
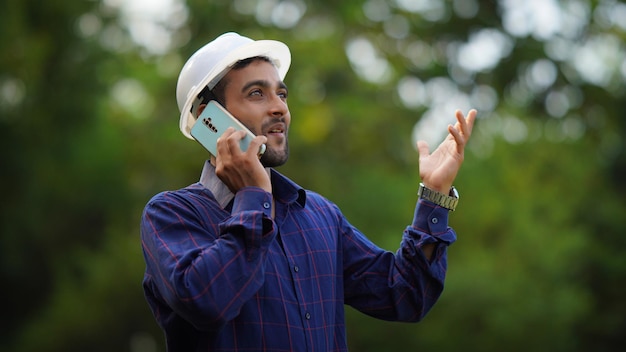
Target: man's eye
256	92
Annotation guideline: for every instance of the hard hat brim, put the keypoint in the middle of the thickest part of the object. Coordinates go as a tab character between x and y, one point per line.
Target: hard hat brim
276	51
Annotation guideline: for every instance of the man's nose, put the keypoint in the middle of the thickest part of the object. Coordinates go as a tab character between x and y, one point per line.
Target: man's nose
278	107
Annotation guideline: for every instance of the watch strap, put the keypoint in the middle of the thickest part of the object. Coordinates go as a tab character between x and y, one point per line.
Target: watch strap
446	201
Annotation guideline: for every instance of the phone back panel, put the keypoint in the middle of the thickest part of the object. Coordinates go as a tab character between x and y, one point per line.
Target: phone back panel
212	123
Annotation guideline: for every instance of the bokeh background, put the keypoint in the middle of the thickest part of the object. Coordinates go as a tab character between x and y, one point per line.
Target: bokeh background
88	133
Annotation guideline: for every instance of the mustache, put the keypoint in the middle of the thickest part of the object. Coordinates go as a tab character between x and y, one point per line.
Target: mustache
272	122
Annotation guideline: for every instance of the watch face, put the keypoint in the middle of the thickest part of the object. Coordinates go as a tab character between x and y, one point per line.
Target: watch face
454	193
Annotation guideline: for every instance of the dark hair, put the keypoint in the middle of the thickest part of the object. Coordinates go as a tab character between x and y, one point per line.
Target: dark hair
217	93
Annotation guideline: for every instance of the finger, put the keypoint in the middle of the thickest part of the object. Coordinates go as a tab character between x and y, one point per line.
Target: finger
255	145
465	124
471	118
458	139
223	147
461	124
229	131
233	141
460	119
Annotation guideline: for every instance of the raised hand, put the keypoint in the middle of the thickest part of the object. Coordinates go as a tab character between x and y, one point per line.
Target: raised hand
236	168
439	169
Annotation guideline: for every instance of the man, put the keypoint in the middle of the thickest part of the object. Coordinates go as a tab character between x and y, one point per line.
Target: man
247	260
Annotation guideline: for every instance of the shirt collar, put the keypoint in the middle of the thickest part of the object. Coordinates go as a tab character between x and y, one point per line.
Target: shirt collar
220	191
285	190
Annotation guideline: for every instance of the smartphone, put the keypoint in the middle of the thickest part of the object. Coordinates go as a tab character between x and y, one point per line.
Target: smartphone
212	122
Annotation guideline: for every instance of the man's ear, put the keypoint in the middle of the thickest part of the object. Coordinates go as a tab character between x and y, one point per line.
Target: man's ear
201	109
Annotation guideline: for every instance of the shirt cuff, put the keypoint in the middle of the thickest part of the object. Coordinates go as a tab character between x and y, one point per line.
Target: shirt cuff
433	220
251	219
253	199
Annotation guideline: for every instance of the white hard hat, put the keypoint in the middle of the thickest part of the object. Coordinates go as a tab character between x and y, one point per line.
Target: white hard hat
208	65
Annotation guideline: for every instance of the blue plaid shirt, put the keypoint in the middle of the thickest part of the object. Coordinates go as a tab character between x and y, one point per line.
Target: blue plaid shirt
228	277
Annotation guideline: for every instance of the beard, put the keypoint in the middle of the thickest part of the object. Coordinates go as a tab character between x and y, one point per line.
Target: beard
275	157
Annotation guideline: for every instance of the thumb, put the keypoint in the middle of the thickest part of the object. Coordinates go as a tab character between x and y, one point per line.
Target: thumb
422	148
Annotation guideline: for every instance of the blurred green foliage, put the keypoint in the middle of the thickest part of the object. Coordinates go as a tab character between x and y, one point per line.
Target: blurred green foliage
88	129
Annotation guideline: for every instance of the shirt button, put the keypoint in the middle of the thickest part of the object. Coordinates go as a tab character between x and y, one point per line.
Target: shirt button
296	268
434	220
266	205
307	316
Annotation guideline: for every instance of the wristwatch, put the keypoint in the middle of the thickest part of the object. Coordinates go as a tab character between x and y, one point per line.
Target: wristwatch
447	201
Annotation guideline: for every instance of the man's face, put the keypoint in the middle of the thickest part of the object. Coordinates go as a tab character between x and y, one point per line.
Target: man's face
257	97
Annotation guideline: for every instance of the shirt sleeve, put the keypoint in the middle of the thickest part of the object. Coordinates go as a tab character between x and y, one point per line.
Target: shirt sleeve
202	261
400	286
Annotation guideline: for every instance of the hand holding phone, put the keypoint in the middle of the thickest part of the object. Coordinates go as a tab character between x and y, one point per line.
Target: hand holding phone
212	122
